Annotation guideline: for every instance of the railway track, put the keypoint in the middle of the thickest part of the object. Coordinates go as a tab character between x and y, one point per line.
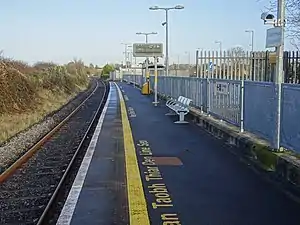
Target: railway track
27	196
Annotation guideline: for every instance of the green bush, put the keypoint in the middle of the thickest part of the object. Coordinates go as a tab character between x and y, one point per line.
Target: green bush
265	156
107	69
104	77
21	82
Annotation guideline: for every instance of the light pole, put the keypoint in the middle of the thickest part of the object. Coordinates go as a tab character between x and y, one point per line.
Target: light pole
166	23
146	34
277	41
220	44
130	56
126	53
280	22
252	52
189	61
189	57
280	48
279	64
252	38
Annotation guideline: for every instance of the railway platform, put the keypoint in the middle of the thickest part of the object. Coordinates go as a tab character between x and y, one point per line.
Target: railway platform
141	168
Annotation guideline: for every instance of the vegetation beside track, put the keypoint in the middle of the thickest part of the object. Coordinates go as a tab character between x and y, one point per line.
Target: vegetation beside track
29	93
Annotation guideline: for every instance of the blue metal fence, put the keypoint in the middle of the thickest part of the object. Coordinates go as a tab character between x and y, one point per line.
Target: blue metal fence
290	114
247	104
225	99
260	109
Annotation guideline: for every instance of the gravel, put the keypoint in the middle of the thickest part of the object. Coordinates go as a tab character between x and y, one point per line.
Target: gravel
16	146
24	196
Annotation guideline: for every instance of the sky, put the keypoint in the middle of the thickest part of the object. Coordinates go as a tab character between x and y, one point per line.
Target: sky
93	30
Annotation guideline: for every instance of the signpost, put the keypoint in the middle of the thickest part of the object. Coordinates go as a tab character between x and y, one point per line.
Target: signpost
155	81
149	50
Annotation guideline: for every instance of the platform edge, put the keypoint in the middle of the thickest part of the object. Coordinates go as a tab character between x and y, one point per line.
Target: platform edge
66	214
138	212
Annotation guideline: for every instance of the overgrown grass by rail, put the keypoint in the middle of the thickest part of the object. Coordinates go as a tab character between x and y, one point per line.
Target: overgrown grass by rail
28	93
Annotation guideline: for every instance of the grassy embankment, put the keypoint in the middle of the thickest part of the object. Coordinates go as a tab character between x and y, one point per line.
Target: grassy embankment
29	93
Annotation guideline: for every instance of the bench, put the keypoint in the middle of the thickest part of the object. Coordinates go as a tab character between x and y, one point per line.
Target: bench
180	106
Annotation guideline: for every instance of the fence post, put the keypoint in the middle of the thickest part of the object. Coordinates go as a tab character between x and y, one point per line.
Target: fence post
200	93
208	95
197	94
242	106
278	119
197	63
165	87
141	82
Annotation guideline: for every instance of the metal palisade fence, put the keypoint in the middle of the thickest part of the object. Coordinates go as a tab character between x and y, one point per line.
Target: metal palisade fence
234	65
241	65
250	105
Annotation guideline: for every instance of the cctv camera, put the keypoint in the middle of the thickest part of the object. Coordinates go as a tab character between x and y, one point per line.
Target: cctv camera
164	23
267	17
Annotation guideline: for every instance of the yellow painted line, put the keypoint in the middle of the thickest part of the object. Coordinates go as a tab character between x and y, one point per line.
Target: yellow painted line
138	213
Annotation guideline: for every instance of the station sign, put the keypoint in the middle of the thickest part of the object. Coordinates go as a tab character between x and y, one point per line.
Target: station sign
148	50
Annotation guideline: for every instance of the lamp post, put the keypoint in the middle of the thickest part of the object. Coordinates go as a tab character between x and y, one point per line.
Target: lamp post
127	45
252	52
146	34
279	63
220	44
189	57
130	56
166	23
189	61
252	38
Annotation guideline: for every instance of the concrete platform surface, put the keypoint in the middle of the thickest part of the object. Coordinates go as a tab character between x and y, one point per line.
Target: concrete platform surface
141	168
191	177
98	195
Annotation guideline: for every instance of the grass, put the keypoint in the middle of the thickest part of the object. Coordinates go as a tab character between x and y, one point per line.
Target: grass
12	124
267	158
29	93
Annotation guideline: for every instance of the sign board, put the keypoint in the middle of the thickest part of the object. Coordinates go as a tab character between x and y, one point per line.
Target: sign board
148	50
221	88
273	38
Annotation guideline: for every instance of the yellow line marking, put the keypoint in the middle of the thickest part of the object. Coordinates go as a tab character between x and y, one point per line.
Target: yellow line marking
138	213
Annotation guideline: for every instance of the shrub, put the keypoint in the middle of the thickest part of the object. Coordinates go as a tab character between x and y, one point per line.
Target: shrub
20	83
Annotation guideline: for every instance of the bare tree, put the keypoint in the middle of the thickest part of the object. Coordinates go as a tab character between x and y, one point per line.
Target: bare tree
236	54
237	51
236	62
292	19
